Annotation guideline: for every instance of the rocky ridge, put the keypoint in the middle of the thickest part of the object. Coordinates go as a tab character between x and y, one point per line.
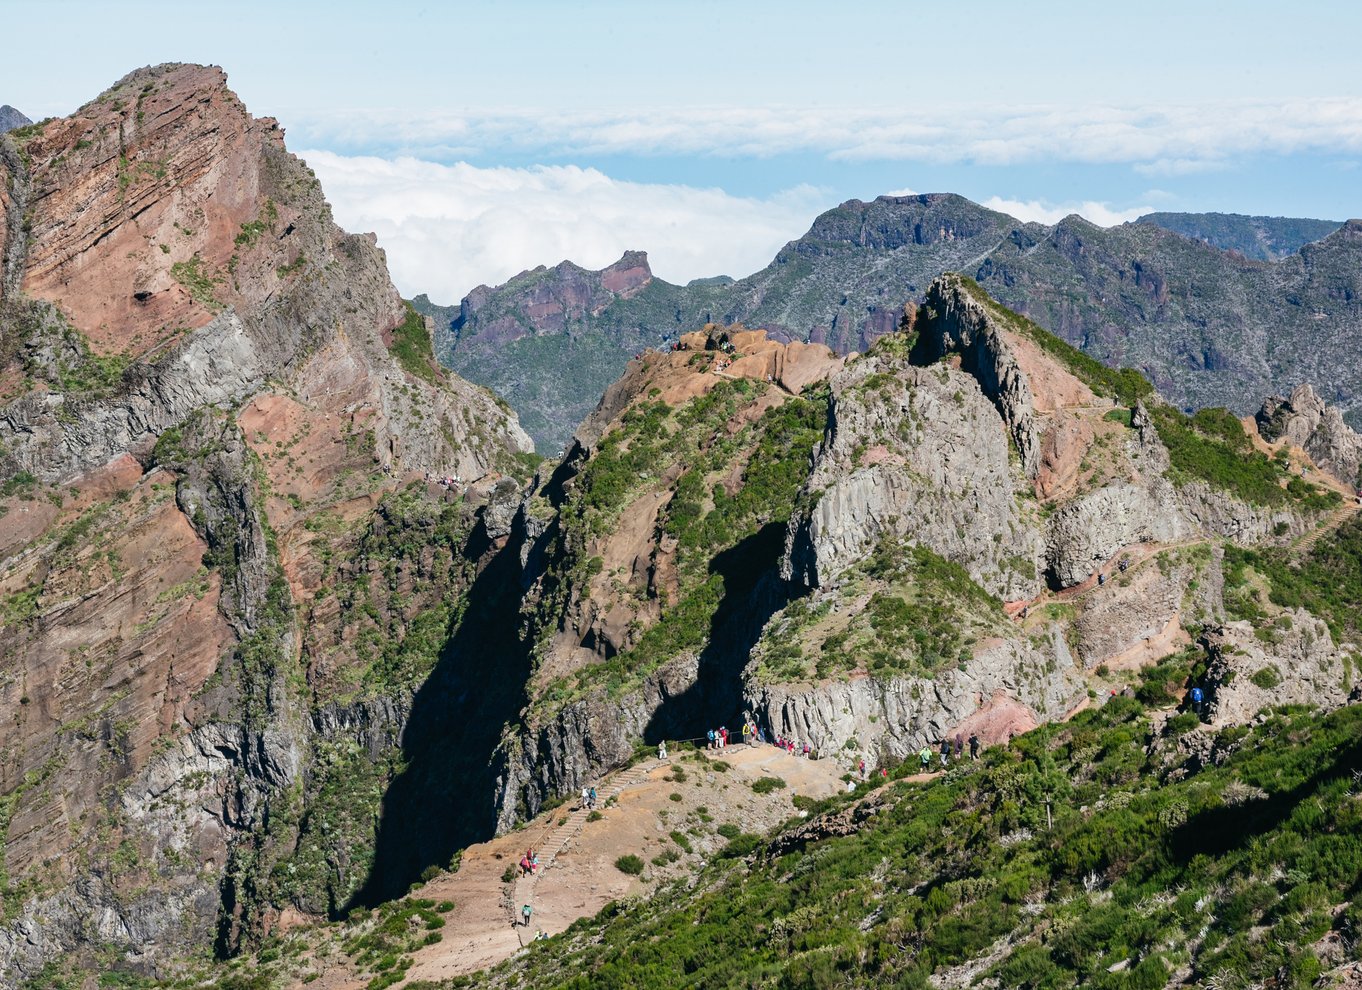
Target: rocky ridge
953	563
1259	238
209	397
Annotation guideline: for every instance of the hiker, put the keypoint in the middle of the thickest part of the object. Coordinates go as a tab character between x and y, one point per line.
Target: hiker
709	736
792	747
925	757
534	862
1197	698
592	799
807	751
974	745
723	737
585	796
884	772
959	745
524	865
1101	579
1125	562
945	752
662	750
860	768
525	913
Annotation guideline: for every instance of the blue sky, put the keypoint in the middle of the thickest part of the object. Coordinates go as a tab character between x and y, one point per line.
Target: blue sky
482	138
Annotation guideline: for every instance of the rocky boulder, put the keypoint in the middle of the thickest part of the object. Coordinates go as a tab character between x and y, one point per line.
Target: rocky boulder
1306	421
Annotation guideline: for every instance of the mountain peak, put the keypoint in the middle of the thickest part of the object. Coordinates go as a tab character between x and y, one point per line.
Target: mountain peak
10	118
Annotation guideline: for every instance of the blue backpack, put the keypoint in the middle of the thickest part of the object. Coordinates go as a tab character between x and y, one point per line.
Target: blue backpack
1196	695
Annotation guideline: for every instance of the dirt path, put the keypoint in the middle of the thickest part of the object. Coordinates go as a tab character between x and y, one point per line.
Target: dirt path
1135	553
577	875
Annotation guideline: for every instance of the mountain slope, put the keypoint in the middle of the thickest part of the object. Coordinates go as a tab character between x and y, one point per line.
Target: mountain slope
1208	326
1259	238
1131	847
219	560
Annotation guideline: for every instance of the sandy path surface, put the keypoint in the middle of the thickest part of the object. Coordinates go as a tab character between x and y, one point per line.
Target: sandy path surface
578	876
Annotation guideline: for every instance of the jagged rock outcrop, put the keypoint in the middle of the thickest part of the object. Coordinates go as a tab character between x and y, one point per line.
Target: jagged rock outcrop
216	419
1289	659
925	449
915	450
958	324
1306	421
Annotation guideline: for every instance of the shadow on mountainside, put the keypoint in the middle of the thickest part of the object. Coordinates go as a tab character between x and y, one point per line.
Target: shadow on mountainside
442	801
753	592
1218	831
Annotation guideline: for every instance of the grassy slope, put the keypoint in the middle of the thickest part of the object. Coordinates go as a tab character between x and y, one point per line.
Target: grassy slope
1230	872
772	456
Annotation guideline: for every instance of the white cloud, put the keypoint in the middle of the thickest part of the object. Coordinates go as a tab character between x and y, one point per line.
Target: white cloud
1169	138
1180	166
447	228
1101	214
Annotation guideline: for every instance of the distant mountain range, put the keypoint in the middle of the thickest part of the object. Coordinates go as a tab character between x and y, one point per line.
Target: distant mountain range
11	118
1208	323
1261	238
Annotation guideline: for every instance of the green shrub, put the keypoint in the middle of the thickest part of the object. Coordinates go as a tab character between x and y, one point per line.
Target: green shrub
411	346
1211	446
1266	678
629	864
765	785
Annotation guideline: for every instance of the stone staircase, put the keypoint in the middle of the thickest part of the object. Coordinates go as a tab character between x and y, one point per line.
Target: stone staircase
560	837
1337	518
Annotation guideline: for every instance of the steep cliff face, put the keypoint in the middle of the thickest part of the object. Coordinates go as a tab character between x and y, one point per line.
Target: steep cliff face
219	426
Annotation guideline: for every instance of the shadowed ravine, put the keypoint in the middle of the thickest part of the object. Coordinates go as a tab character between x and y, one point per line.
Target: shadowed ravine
442	802
753	592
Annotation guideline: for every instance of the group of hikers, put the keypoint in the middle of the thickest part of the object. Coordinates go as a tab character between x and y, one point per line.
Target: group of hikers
589	798
529	863
752	735
949	747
